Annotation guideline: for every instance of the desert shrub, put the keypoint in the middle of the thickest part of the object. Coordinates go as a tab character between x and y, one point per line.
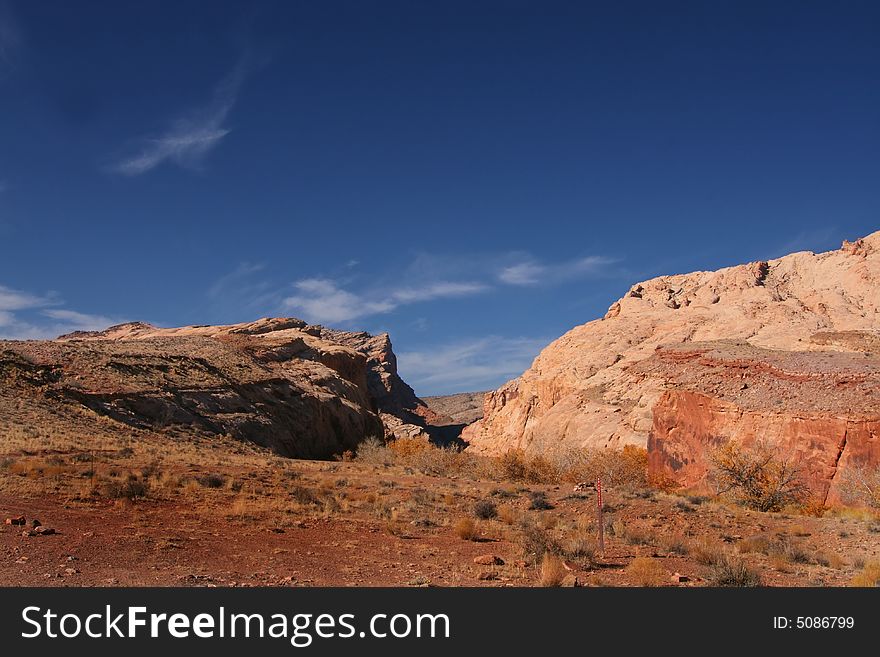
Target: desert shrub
645	571
705	551
441	461
508	515
755	544
675	544
538	501
580	548
724	570
812	506
617	467
374	451
830	560
404	448
793	552
503	493
516	465
304	495
860	486
211	480
485	510
869	576
631	535
536	541
552	570
130	488
466	529
758	477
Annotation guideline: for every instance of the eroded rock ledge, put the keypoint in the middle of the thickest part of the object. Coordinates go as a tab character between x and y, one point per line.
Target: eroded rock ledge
301	390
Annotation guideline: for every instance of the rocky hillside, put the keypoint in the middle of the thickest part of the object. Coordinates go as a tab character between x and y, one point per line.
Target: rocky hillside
600	384
461	408
302	390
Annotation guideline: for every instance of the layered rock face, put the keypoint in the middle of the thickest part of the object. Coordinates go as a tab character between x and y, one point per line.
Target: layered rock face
821	411
301	390
594	386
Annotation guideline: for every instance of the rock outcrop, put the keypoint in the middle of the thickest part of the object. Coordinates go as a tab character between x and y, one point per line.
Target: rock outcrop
593	386
301	390
821	411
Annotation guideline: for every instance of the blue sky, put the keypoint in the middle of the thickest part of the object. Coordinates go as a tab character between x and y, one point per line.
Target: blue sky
474	177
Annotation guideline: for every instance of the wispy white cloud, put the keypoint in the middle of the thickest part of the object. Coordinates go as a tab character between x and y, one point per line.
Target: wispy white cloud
77	321
12	300
523	273
528	271
190	137
478	364
437	290
323	300
232	282
28	316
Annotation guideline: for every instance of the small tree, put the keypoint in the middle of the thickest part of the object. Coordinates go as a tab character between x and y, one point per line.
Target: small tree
860	486
759	477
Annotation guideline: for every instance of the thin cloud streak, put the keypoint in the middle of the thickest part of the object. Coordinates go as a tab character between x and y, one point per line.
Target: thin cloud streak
530	272
478	364
322	300
27	316
191	137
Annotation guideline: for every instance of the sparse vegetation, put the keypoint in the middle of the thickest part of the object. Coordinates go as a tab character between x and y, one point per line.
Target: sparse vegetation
485	510
552	570
869	576
538	501
535	541
270	500
727	571
645	571
860	486
466	529
759	477
211	480
129	488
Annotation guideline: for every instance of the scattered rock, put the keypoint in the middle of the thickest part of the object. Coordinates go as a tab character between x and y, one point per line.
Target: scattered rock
18	520
488	575
39	531
489	560
679	579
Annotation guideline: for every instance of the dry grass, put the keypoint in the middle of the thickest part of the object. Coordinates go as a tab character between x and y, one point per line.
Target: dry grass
869	576
705	550
466	529
730	572
626	467
552	571
645	571
508	515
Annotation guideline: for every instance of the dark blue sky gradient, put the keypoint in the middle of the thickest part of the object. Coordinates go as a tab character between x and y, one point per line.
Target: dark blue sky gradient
408	154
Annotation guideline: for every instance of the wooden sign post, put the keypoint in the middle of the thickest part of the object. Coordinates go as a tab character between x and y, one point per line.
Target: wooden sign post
601	519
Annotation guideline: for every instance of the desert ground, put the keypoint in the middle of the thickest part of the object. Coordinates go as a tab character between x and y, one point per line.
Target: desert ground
154	510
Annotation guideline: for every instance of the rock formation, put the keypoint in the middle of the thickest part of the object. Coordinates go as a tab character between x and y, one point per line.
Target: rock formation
614	380
301	390
820	410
